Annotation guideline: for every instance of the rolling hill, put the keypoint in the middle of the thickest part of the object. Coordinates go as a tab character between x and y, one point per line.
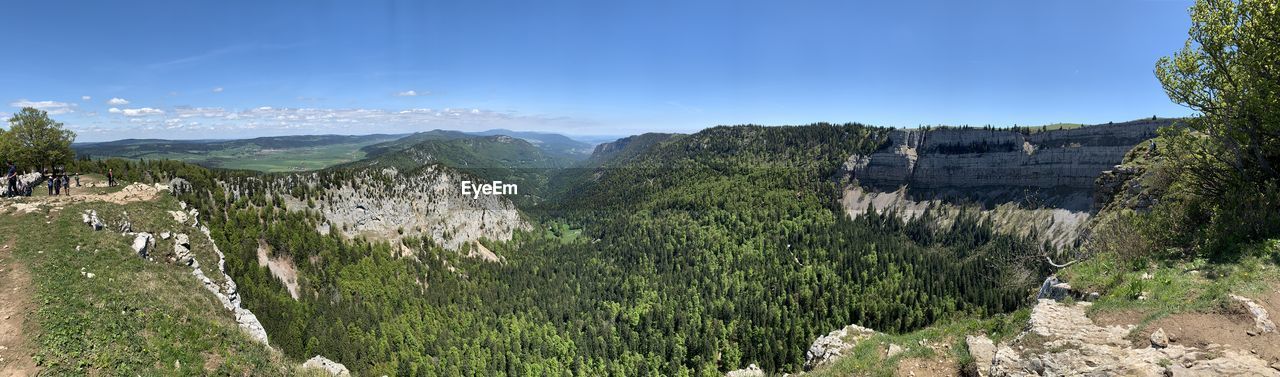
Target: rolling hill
272	154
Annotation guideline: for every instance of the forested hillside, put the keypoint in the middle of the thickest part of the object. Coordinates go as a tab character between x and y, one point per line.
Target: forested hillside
490	158
700	255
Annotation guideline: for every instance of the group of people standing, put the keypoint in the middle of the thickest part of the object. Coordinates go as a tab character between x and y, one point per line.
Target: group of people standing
59	181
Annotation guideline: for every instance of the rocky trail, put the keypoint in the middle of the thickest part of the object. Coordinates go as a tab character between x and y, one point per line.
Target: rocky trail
1063	340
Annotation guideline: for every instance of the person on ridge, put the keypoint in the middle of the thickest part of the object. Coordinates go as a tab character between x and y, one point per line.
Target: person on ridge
111	178
13	179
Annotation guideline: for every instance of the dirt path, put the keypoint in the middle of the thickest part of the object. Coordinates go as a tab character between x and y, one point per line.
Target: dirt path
1230	327
15	304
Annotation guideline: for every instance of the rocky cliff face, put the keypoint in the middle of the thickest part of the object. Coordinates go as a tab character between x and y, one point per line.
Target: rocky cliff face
388	204
997	164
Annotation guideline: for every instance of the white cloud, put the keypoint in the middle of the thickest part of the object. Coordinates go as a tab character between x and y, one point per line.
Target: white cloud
85	98
117	101
206	122
408	93
51	107
217	90
144	111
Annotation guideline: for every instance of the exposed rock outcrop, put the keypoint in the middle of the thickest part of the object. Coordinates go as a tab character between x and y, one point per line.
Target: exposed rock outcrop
388	204
179	186
834	345
91	218
228	295
1060	227
142	243
983	351
25	183
1054	289
331	367
750	371
1059	167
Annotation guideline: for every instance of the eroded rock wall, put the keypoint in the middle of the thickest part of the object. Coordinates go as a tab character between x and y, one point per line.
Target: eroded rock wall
388	204
989	163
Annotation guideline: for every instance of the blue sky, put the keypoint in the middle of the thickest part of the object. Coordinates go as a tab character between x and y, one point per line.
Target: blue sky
185	69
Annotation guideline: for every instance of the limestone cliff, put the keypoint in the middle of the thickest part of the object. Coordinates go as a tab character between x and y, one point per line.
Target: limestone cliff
388	204
1001	165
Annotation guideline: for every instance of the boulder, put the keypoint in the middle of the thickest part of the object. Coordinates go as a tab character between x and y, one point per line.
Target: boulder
1159	339
95	221
329	366
892	351
141	242
1054	289
182	254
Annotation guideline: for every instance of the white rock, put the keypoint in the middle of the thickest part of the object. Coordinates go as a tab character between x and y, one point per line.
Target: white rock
983	351
893	350
332	367
833	345
140	243
250	324
1261	320
1159	339
750	371
178	216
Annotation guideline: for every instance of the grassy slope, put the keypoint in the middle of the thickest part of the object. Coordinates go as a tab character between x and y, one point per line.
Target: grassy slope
134	316
943	341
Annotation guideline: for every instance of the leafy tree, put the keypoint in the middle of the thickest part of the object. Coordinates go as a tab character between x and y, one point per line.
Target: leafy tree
34	139
1229	156
1228	73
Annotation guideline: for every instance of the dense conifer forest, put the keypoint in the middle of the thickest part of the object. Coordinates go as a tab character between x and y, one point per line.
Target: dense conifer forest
700	254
